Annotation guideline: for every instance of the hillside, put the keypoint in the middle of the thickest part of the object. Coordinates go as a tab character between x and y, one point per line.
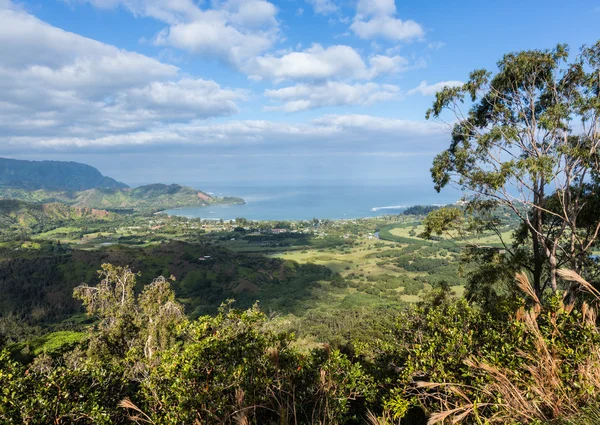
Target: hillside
19	216
53	175
46	280
150	197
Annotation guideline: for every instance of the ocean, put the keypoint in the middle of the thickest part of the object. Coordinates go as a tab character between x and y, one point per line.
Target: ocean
305	202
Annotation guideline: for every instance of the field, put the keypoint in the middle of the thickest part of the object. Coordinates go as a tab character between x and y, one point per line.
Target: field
358	263
412	231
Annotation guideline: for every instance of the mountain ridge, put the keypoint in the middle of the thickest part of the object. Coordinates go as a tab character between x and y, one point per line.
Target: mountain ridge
53	175
155	197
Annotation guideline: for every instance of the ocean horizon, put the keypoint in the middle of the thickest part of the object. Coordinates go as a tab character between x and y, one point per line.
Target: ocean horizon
307	201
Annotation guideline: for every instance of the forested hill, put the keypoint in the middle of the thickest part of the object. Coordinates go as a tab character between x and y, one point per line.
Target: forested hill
53	175
18	216
149	197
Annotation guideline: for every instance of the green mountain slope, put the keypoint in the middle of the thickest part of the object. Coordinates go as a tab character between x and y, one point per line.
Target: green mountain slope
150	197
53	175
19	216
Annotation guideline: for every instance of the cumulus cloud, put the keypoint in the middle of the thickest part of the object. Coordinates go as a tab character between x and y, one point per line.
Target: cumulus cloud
318	64
197	97
324	7
229	30
431	89
356	130
304	96
377	19
56	82
65	59
381	64
368	124
61	93
315	63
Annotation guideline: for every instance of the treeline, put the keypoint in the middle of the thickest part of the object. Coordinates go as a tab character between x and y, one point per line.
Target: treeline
420	209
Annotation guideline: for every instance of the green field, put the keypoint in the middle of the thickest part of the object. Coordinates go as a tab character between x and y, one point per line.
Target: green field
413	231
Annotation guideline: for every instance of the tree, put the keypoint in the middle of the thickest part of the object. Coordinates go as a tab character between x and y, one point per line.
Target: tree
148	322
530	142
159	315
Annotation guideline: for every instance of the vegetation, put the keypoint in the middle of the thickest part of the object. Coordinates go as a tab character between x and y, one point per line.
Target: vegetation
149	363
420	209
533	127
19	219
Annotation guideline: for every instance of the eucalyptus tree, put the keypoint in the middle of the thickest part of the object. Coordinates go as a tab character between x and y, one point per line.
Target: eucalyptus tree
529	141
148	322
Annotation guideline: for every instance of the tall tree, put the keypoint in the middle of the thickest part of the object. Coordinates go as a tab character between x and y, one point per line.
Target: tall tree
149	321
529	142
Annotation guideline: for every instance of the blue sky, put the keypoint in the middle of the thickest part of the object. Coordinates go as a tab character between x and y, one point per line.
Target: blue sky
235	91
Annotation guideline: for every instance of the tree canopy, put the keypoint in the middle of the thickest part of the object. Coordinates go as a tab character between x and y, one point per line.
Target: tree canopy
529	141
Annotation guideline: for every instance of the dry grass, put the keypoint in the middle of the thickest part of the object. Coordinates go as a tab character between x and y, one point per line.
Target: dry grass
373	419
535	392
138	417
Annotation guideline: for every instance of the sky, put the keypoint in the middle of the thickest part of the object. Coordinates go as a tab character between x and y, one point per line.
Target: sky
254	91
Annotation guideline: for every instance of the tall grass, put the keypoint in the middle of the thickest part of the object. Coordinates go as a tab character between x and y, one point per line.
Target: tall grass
544	384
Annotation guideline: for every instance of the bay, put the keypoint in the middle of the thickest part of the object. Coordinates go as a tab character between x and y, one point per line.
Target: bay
266	201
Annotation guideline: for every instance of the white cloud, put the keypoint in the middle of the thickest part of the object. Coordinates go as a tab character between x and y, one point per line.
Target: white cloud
376	19
369	123
192	97
376	7
8	4
319	64
306	96
360	130
61	91
54	82
230	30
64	58
324	7
381	64
437	45
315	63
430	90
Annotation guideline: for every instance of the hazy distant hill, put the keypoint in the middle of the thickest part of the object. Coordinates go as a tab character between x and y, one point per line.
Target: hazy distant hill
53	175
150	197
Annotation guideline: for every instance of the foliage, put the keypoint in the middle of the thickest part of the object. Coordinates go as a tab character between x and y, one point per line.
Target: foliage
19	219
148	323
446	219
232	370
47	392
533	125
225	369
461	365
420	209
